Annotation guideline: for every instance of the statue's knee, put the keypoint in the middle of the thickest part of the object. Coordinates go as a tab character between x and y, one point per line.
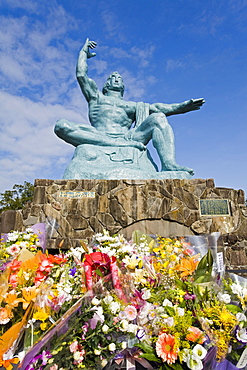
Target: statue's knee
61	125
159	119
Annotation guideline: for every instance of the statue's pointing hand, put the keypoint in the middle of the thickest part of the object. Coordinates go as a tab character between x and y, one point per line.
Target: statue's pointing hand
194	104
89	45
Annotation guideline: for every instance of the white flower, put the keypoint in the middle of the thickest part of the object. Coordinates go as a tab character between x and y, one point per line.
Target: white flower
77	356
108	299
27	236
236	289
168	303
180	311
97	352
114	307
132	328
24	244
169	321
146	294
241	316
185	354
242	335
12	237
95	301
194	363
99	312
199	351
104	362
124	325
143	314
77	252
112	347
121	315
105	328
124	345
226	298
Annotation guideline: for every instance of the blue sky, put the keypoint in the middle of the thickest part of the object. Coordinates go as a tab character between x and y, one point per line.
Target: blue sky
166	50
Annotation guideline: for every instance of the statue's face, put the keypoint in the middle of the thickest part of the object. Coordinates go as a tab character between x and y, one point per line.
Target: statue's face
114	82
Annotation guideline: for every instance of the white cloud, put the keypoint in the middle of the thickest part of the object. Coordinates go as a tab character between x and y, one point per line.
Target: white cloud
30	148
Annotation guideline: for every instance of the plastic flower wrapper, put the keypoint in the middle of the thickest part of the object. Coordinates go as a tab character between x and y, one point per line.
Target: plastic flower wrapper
200	244
236	292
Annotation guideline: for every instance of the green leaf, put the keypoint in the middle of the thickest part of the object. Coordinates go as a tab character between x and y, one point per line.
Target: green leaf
180	284
204	269
233	308
150	357
99	273
145	347
170	311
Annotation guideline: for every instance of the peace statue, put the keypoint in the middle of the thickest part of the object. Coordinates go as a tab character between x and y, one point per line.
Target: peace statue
114	145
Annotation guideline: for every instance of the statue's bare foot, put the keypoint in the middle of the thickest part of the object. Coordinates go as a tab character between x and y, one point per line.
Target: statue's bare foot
176	167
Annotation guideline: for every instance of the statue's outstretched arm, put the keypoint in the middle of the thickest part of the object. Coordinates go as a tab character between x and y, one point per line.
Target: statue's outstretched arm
88	86
177	108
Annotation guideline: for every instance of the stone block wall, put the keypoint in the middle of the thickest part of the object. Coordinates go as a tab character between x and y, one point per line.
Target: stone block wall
77	209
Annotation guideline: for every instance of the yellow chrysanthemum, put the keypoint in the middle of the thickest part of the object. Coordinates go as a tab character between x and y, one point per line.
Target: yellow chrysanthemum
41	315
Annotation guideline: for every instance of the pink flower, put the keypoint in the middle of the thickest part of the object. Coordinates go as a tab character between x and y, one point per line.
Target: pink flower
130	312
54	367
13	280
73	347
14	249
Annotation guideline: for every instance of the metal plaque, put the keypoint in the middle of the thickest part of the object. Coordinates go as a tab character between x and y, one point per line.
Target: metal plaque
76	194
214	207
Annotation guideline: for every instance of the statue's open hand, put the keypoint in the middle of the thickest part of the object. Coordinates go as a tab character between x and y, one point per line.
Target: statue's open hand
193	104
89	45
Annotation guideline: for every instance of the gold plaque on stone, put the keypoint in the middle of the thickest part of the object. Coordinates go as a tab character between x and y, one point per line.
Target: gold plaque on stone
214	207
76	194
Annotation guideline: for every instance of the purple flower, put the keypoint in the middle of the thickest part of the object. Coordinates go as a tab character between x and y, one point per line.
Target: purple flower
45	355
84	330
72	271
189	296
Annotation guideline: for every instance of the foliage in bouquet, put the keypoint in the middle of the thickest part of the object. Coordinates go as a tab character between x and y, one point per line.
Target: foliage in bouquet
97	331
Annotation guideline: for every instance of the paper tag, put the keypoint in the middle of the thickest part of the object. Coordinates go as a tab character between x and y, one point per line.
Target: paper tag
243	360
220	262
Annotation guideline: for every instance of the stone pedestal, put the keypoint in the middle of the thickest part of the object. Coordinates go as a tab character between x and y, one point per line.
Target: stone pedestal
77	209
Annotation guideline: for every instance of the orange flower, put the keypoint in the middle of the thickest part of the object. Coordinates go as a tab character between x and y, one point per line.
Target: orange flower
166	349
7	364
12	300
29	294
195	335
187	266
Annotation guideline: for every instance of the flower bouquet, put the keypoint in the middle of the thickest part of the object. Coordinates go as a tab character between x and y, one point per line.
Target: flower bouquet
147	303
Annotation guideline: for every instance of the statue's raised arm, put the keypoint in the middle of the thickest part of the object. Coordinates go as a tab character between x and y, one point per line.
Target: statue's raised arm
87	85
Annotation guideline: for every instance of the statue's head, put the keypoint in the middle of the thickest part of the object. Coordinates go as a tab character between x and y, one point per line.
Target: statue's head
114	82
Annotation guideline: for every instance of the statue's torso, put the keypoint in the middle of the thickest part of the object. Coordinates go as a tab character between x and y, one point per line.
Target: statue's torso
110	114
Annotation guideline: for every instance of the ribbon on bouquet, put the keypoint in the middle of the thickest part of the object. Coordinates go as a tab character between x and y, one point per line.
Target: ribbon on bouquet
100	264
132	356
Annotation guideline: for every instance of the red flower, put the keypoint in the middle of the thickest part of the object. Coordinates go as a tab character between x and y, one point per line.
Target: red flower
14	265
